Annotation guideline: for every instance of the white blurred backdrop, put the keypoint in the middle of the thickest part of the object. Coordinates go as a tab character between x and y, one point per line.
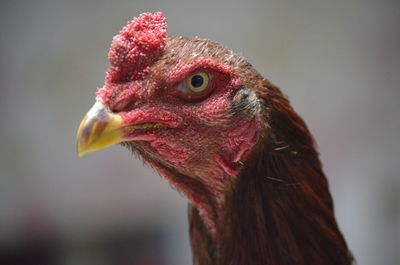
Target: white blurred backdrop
338	61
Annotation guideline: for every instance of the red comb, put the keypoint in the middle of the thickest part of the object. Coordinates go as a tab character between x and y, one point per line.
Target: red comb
136	47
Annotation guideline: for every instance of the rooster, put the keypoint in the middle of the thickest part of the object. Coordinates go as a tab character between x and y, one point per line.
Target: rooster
226	138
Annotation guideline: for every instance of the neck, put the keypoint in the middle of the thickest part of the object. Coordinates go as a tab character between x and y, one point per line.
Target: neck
279	211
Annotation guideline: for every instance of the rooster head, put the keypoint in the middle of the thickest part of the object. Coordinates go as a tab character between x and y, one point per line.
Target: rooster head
185	105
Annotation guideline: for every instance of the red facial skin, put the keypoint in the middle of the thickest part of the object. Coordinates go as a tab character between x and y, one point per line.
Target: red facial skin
202	138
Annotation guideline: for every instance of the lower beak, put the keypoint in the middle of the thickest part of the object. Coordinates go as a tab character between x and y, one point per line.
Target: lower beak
99	128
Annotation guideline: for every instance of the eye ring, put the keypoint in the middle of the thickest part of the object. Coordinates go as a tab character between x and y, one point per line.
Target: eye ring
198	82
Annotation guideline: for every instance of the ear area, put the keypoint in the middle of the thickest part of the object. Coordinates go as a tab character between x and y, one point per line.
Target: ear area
245	134
245	102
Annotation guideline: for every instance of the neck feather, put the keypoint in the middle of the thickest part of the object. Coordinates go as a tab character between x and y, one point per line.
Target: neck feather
280	210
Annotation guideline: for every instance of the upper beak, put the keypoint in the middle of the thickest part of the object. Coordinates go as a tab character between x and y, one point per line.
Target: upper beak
98	129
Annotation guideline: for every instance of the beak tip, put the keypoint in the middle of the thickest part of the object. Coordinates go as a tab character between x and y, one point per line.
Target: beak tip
79	151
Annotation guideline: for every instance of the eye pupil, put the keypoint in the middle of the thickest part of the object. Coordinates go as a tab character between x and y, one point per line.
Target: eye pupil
197	81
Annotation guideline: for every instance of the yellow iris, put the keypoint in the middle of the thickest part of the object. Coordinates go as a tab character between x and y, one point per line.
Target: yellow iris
198	83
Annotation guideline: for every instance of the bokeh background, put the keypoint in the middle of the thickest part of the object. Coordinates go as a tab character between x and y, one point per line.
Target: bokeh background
339	62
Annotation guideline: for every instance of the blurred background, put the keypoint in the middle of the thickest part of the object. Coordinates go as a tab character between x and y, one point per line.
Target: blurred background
339	62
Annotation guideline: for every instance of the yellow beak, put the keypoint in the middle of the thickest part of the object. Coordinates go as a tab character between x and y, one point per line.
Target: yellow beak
98	129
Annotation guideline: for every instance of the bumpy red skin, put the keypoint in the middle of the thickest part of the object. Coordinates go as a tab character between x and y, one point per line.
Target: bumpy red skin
136	46
202	139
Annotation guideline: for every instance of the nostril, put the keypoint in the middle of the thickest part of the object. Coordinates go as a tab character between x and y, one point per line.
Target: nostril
123	105
119	106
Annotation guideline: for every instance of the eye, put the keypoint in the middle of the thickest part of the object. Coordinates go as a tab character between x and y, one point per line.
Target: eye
196	86
198	83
